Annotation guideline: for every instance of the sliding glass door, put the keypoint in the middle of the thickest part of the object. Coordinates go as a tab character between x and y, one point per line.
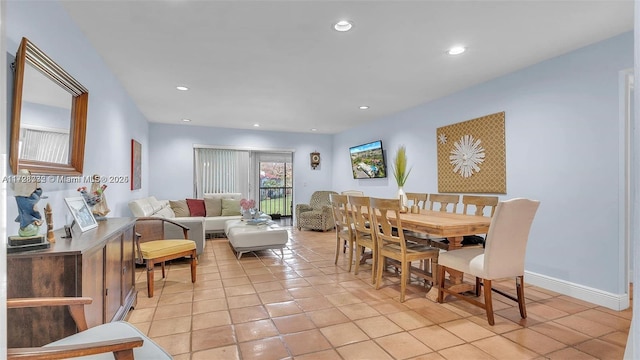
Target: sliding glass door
275	184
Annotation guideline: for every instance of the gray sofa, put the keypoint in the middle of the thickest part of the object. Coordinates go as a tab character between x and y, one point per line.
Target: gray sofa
199	226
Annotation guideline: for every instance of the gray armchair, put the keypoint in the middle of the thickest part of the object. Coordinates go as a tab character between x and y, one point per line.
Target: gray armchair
317	214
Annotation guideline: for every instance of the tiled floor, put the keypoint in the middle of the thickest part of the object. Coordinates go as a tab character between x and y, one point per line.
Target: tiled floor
305	307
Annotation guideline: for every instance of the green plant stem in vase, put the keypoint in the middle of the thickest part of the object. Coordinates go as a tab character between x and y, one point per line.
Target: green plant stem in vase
401	173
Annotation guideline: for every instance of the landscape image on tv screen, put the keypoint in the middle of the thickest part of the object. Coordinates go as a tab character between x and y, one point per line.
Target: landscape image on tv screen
367	161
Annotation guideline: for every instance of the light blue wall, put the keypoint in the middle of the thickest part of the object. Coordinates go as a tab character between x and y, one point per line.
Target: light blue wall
113	119
171	159
562	129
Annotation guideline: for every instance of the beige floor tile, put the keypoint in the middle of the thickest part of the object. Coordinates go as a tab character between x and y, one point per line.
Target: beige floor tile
601	349
172	311
247	314
465	351
237	281
170	326
501	348
326	317
544	311
343	334
466	330
409	320
436	337
283	308
141	315
540	343
358	311
275	296
618	338
212	337
402	345
227	352
268	286
569	354
264	349
306	342
586	326
293	323
560	333
254	330
175	344
211	319
239	290
363	350
564	305
236	302
378	326
204	306
330	354
315	303
304	292
605	318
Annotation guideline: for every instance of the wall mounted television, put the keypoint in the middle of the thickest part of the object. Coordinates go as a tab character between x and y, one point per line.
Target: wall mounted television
367	161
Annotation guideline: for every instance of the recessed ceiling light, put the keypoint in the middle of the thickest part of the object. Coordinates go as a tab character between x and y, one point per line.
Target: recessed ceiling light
314	129
256	125
456	50
363	107
186	120
182	88
343	25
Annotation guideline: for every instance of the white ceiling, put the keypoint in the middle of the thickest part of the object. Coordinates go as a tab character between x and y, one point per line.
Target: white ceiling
281	64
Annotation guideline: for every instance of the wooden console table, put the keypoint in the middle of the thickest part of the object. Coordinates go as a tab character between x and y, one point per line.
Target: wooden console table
98	263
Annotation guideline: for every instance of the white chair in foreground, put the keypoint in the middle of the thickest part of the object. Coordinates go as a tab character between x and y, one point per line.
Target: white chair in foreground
502	257
118	339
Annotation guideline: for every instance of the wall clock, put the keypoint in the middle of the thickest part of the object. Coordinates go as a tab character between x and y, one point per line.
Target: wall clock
315	159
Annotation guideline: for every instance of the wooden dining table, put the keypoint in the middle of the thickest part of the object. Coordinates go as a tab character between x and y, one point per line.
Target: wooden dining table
439	224
453	227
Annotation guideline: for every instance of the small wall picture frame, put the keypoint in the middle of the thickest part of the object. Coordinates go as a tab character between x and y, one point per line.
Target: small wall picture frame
81	213
315	159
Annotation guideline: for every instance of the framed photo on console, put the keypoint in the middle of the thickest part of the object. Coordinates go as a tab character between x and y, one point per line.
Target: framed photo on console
81	213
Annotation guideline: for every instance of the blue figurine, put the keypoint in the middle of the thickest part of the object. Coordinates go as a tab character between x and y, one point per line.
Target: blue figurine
28	194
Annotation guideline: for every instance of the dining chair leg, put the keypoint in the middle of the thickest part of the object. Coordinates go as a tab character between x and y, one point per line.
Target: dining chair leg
488	302
193	266
358	257
520	292
478	286
379	271
404	278
374	267
163	274
150	278
338	243
350	255
441	270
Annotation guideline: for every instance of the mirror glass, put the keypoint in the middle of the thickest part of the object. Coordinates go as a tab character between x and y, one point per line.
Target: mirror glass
49	116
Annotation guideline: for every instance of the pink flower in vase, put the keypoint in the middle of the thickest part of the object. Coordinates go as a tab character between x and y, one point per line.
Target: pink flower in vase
247	204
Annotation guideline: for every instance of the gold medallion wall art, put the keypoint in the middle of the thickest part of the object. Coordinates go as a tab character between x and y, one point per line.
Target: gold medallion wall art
472	156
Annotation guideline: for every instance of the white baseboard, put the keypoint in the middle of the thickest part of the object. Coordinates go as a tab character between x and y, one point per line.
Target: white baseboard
612	301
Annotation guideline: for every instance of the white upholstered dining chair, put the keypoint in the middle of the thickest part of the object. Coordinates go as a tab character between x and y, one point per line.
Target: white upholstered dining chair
502	257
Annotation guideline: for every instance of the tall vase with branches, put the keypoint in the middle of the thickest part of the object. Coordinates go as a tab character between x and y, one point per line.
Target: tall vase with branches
401	173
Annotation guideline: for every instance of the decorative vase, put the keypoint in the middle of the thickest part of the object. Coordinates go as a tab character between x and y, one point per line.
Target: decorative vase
248	214
402	196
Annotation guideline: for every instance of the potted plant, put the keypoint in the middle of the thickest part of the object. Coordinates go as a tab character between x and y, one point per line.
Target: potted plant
401	173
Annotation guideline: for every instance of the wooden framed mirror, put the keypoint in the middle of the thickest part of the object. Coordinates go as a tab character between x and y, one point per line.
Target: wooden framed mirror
49	117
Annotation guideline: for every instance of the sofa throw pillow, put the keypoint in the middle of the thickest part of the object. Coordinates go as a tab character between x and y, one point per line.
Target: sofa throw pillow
180	208
230	207
196	207
213	206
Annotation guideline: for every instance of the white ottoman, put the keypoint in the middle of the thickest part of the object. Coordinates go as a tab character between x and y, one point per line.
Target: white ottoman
246	238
